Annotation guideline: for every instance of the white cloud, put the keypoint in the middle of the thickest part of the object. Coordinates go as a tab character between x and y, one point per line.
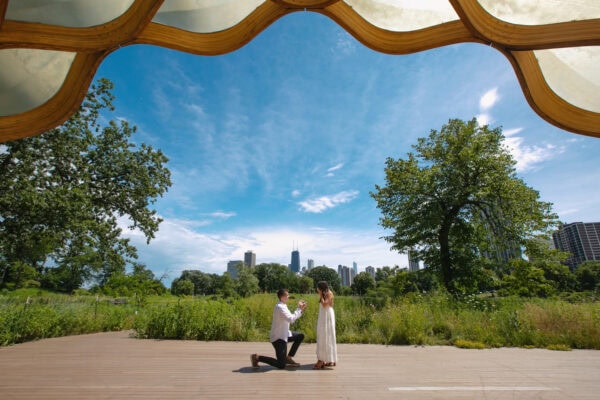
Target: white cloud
489	99
528	157
511	132
323	203
335	167
295	193
484	119
345	44
177	247
332	169
221	214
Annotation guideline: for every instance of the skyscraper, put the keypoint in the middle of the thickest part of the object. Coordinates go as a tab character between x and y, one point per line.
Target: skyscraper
310	264
233	267
346	275
371	271
413	261
295	264
580	239
249	259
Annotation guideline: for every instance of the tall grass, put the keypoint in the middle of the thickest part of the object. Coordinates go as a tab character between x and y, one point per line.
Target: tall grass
31	315
435	319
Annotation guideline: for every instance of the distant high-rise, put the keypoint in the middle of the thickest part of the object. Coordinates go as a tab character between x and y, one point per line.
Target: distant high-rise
580	239
346	275
413	261
295	264
355	268
233	267
310	264
371	271
250	259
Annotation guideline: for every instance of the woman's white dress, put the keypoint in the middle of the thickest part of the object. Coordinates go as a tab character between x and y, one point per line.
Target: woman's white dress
326	345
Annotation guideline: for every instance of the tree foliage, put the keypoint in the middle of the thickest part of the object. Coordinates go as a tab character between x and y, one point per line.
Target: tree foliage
272	276
202	283
63	193
326	274
526	280
457	197
246	283
588	275
362	283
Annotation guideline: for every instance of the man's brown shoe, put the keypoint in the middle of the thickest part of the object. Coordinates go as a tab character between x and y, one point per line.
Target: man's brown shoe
291	363
254	361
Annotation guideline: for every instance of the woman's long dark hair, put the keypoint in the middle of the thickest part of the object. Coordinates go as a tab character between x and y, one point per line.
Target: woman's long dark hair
324	288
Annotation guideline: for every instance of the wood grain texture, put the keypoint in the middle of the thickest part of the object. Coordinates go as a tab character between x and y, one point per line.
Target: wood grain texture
115	366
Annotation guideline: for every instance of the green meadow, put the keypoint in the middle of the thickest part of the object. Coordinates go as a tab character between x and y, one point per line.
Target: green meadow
432	319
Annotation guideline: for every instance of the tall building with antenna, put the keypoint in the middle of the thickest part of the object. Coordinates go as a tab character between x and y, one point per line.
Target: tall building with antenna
295	264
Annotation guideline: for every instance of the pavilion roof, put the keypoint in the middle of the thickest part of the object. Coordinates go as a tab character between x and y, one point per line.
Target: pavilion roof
50	49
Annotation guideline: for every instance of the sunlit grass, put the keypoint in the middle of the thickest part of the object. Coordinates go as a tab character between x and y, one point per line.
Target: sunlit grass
435	319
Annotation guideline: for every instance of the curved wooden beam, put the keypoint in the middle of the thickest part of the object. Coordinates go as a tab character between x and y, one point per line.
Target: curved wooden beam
391	42
526	37
112	34
305	4
546	103
93	44
216	43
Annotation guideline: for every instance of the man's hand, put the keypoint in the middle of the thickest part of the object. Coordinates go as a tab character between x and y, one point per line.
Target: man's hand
302	305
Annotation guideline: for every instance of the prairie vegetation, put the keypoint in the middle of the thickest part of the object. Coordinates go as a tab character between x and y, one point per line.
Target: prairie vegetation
434	319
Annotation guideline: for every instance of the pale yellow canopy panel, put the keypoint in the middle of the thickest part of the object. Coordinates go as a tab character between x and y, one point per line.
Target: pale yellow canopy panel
50	49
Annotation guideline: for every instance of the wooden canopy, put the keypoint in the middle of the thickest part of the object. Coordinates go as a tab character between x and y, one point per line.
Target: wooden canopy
50	50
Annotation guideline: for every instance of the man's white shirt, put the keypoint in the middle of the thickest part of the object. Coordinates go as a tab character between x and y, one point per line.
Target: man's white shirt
282	318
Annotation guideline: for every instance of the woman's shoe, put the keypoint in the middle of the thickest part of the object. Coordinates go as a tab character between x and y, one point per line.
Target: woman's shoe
319	365
330	364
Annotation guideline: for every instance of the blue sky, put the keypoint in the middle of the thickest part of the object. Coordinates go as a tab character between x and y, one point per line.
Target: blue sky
277	145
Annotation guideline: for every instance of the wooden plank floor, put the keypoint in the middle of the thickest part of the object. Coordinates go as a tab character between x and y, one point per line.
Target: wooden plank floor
115	366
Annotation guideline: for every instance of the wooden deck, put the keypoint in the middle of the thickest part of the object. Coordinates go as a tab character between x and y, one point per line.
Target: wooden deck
115	366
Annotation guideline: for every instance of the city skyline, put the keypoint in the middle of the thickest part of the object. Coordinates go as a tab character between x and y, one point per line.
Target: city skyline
310	263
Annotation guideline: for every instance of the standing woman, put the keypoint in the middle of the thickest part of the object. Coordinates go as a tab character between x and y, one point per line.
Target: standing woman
326	342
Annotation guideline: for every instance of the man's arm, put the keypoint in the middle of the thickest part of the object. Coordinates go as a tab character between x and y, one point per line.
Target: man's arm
285	312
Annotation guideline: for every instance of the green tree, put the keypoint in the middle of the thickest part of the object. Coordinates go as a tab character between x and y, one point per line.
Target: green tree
204	284
384	273
272	276
551	261
588	275
526	280
456	197
182	287
402	283
226	286
326	274
305	284
246	283
62	192
362	283
140	282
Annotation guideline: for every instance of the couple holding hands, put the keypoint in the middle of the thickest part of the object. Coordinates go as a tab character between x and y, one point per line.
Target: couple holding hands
280	331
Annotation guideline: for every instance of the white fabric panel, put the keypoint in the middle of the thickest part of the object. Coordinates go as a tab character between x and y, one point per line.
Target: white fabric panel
539	12
404	15
69	13
28	78
205	16
573	74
